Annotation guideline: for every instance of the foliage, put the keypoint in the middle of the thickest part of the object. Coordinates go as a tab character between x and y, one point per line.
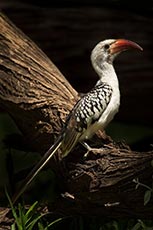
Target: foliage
29	219
148	192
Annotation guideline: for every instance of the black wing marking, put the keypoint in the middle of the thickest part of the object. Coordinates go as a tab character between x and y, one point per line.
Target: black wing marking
86	111
91	106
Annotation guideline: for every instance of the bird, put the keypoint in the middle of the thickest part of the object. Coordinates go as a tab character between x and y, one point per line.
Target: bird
94	111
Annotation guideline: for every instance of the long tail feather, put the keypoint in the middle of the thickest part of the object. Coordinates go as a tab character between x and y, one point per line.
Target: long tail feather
37	168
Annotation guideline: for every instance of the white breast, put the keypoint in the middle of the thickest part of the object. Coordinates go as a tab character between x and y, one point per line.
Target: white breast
105	118
107	74
111	109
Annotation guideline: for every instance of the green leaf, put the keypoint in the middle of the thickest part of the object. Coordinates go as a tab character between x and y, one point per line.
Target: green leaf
21	216
137	226
147	196
40	226
31	209
13	211
11	204
30	212
13	227
32	223
52	223
115	225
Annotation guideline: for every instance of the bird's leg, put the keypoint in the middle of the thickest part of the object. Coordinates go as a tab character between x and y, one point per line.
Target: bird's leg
86	146
89	149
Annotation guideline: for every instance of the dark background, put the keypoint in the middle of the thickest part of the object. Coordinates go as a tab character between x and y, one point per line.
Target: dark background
67	33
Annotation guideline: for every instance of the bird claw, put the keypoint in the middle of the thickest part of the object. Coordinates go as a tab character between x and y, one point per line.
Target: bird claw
89	149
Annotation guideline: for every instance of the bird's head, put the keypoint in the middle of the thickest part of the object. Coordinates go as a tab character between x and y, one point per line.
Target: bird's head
107	50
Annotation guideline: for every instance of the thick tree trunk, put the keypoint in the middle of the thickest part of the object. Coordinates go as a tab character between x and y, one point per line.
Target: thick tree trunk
38	97
32	89
106	184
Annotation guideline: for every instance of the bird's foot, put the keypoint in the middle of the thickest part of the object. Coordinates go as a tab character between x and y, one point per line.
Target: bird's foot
86	146
89	149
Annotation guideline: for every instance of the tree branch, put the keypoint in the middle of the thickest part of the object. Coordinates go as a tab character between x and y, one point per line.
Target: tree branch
103	185
32	89
38	97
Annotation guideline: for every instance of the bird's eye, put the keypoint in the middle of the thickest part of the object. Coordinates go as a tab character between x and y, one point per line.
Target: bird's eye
106	47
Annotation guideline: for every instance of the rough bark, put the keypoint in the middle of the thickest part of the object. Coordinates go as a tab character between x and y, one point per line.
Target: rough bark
67	35
32	89
38	97
105	184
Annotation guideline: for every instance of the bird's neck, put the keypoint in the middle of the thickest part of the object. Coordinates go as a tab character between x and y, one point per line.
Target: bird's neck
107	74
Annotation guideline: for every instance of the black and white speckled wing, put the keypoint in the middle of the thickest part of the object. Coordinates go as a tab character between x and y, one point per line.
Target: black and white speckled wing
86	112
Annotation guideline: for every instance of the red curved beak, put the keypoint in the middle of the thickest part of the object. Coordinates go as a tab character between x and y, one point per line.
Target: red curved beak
121	45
